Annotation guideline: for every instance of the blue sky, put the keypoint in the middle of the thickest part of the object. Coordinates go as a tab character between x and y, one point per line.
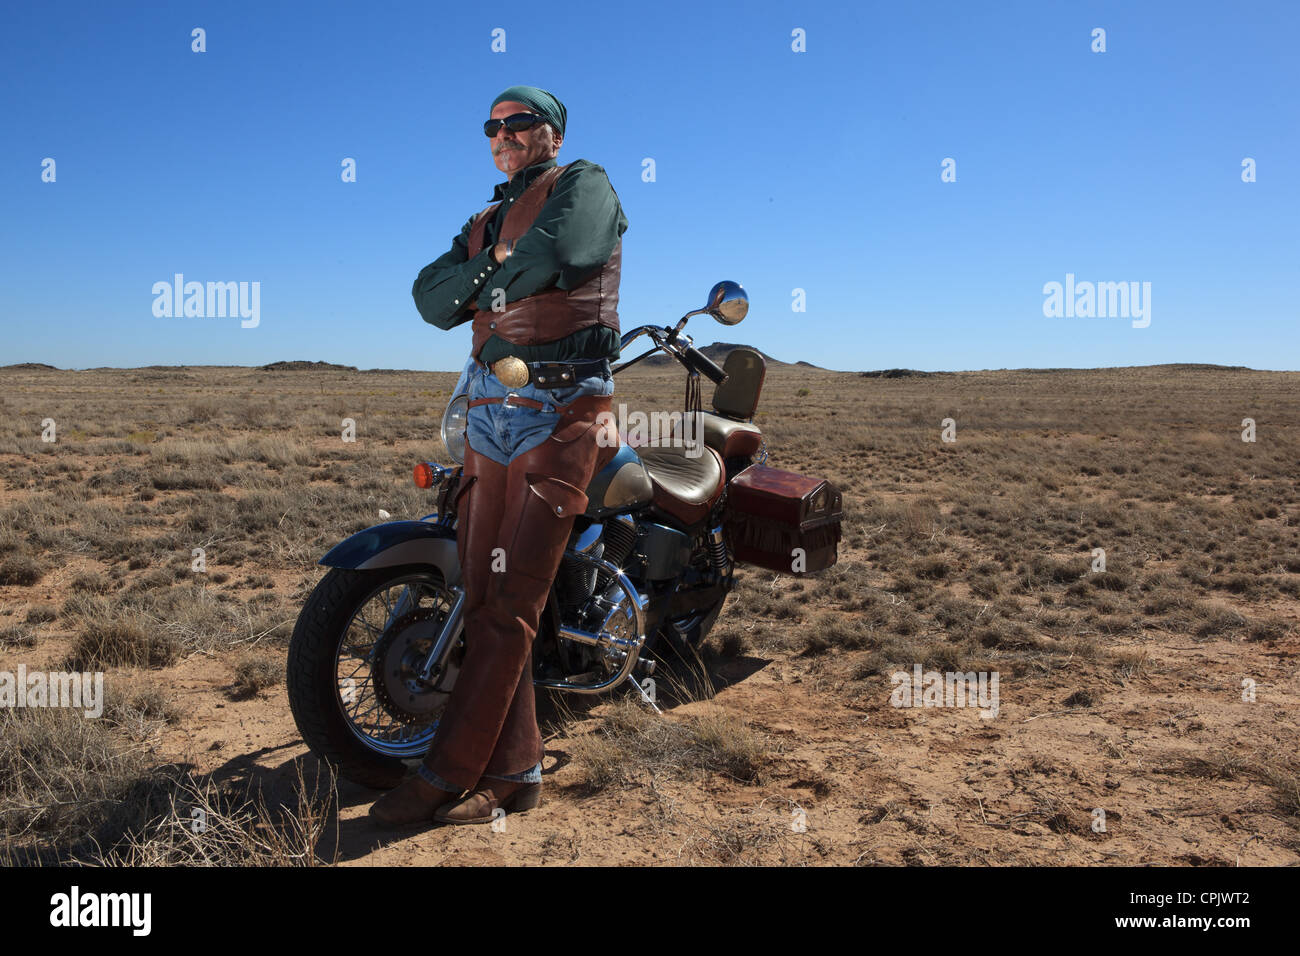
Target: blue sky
817	170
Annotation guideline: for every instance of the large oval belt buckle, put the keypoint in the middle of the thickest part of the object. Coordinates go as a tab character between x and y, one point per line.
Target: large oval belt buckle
511	371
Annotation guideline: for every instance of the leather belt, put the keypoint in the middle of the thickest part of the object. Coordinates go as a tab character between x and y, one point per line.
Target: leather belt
511	399
514	372
600	402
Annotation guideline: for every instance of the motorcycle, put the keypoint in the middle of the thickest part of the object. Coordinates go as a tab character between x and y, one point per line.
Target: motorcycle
378	644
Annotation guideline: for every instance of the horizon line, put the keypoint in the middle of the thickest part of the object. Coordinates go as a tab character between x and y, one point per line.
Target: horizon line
335	366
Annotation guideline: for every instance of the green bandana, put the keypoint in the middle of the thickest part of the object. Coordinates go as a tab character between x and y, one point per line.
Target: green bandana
539	101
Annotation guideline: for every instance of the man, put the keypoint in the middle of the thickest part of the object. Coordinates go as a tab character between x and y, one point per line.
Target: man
537	274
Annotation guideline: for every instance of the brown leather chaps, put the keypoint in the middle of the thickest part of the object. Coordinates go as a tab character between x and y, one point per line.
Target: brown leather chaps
514	524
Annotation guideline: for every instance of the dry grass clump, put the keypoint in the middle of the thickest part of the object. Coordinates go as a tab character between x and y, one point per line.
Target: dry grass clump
41	614
17	635
21	570
122	641
727	639
1277	772
255	673
61	775
139	709
200	822
76	790
152	625
632	739
91	581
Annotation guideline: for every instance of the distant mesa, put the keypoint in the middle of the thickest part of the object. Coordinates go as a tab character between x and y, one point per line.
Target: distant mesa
31	367
1204	367
901	373
306	367
1166	367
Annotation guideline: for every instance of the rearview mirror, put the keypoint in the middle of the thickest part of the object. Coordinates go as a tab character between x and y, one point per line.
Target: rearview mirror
728	302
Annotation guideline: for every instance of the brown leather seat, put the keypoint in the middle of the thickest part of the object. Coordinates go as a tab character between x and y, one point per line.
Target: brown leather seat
729	437
685	486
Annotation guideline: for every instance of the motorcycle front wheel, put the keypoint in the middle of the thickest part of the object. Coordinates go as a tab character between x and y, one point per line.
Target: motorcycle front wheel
353	665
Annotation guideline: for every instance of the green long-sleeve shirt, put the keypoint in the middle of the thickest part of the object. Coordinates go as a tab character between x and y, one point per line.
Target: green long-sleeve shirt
574	235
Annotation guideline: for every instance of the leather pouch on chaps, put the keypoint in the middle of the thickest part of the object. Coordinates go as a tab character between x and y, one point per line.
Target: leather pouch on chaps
544	525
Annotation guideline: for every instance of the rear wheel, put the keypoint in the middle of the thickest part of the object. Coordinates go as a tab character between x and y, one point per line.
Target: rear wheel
353	670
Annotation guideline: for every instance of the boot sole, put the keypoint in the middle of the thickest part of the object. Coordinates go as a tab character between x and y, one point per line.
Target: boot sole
429	817
523	799
402	824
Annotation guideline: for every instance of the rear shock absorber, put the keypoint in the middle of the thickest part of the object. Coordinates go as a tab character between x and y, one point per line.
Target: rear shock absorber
717	546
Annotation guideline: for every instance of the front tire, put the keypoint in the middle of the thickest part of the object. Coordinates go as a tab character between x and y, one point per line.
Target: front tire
346	684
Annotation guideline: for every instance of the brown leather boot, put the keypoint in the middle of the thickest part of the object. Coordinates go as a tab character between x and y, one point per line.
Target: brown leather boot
414	800
514	796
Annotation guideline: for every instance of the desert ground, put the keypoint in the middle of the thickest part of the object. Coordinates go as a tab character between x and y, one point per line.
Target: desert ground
1148	712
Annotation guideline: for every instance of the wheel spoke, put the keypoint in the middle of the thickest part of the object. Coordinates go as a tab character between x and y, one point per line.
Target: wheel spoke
354	670
378	724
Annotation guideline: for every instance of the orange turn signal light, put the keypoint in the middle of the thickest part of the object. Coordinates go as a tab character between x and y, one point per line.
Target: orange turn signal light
423	475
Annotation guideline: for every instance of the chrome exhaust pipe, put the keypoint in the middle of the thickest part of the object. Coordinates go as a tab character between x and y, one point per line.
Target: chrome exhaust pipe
608	637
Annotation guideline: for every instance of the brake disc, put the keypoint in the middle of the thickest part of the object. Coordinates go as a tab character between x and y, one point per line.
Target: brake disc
398	655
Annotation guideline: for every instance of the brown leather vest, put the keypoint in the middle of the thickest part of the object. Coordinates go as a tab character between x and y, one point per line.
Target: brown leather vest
551	313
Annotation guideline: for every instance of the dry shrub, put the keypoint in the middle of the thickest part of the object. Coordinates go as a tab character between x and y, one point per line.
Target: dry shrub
632	738
122	642
254	673
200	822
17	635
21	570
73	791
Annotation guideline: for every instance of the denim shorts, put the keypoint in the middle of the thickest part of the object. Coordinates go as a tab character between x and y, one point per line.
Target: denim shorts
503	432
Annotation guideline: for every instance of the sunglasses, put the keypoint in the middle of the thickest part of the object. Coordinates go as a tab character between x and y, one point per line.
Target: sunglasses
516	124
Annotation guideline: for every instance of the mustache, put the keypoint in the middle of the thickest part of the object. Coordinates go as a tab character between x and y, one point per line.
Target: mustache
508	146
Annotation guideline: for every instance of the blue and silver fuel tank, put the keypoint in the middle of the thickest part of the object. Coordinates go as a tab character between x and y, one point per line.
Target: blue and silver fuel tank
622	484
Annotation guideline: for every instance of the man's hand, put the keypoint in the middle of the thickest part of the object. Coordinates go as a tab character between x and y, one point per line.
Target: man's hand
501	251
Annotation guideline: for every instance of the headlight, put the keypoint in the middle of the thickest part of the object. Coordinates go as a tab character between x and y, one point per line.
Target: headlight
453	427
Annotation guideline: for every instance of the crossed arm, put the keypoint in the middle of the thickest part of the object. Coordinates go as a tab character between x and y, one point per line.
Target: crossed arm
574	234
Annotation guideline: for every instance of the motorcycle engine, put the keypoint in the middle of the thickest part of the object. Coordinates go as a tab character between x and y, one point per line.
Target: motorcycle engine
577	581
589	597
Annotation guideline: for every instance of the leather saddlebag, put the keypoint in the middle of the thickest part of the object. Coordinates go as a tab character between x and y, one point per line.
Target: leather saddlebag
771	513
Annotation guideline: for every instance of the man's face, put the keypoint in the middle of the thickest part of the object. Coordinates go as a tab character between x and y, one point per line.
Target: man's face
515	151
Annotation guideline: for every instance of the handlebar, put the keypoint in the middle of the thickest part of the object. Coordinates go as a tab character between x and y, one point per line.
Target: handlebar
705	365
667	340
